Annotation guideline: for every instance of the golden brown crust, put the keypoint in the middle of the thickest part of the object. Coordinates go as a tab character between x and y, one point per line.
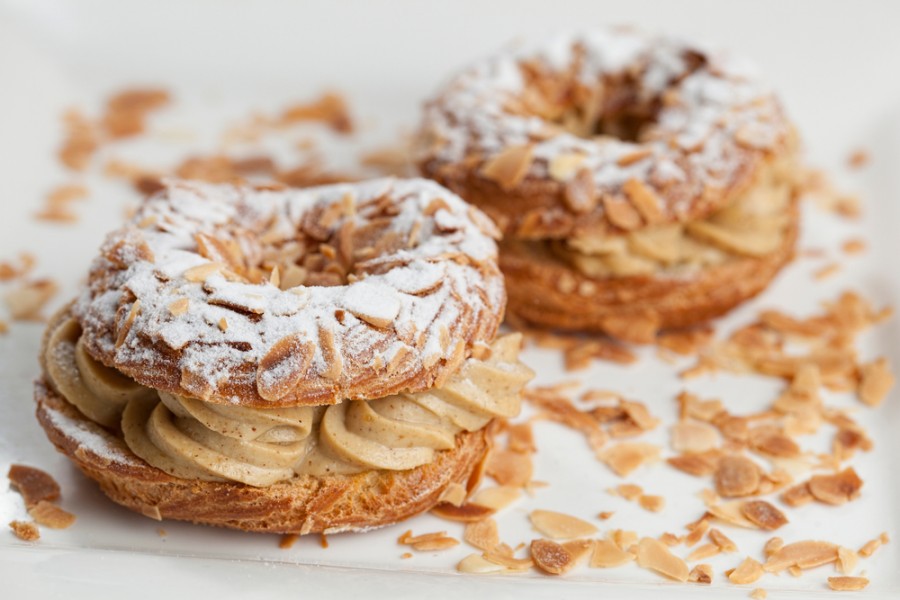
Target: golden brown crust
305	504
631	308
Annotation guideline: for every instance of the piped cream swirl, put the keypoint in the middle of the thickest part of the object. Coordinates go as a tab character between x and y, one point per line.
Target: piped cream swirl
192	439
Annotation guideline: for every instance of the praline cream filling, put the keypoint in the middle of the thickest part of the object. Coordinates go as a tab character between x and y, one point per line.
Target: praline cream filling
753	225
193	439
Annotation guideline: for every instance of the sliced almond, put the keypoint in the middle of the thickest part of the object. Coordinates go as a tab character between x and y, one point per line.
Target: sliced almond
25	530
836	489
200	273
847	584
763	515
625	457
509	167
797	495
560	526
772	546
467	512
694	436
694	464
607	555
876	380
804	555
580	193
179	307
477	564
50	515
704	551
701	573
507	467
722	541
33	484
497	498
847	560
736	476
563	166
283	366
629	491
730	512
621	213
747	572
644	200
482	534
551	557
652	503
656	556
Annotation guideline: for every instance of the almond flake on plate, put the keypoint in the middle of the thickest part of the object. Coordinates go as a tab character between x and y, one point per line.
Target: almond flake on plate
656	556
559	525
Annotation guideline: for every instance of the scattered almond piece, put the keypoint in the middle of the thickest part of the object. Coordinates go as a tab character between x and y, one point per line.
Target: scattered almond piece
625	457
560	526
25	531
629	491
482	534
508	467
763	514
694	437
551	557
847	584
33	484
607	555
736	476
704	551
722	541
49	515
464	513
847	560
652	503
836	489
759	594
476	563
804	555
701	573
869	548
656	556
876	380
497	498
747	572
26	302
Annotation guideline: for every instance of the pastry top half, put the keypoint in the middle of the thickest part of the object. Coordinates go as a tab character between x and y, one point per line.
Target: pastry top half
604	132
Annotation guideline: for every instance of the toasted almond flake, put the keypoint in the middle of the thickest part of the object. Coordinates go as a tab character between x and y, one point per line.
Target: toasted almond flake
804	555
869	548
406	555
876	380
652	503
836	489
847	584
638	414
749	571
579	549
763	515
454	494
622	538
670	539
434	545
694	437
497	498
621	213
826	271
629	491
33	484
701	573
759	594
25	531
503	555
26	302
694	464
847	560
283	366
464	513
49	515
697	531
551	557
704	551
736	476
482	534
625	457
564	165
520	438
797	495
179	307
730	512
475	563
634	157
201	272
644	200
560	526
580	193
605	515
854	246
656	556
507	467
607	554
223	324
722	541
509	167
772	546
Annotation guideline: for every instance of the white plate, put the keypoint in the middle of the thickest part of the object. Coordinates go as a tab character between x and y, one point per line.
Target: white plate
224	59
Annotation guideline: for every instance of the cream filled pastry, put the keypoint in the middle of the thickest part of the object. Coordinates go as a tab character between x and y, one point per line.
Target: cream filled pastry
641	182
325	375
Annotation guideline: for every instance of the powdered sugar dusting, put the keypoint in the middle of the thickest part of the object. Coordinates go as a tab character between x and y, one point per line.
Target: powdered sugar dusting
437	271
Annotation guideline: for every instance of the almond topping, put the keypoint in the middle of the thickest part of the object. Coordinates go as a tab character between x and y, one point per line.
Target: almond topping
454	494
644	200
464	513
621	214
656	556
747	572
607	555
179	307
560	526
509	167
564	165
763	515
736	476
283	366
580	193
847	584
201	272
